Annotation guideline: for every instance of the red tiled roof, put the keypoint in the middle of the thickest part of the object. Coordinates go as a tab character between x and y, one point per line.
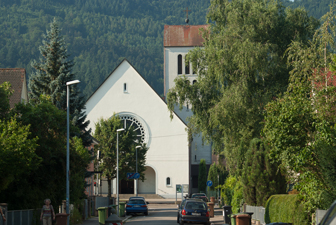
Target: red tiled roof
16	78
183	35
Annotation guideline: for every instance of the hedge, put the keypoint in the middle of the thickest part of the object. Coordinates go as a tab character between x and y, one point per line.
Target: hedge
287	209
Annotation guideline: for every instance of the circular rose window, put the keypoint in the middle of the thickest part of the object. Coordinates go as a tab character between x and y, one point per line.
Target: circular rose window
132	121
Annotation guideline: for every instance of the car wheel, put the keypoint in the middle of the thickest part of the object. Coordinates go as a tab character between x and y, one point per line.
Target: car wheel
146	213
181	222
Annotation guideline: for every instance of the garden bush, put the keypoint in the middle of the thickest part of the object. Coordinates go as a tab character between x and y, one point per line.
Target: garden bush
227	190
286	208
237	198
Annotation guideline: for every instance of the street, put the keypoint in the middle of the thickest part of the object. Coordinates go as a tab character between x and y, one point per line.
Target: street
163	214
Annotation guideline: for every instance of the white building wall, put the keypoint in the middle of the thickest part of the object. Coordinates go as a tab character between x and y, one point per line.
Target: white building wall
168	152
199	149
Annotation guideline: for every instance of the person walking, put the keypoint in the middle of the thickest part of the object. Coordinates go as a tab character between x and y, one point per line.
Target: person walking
46	212
2	214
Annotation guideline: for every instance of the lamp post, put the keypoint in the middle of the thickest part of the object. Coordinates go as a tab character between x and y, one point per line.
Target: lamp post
218	188
68	151
136	169
121	129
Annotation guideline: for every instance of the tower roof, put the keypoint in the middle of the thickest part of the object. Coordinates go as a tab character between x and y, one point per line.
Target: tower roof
183	35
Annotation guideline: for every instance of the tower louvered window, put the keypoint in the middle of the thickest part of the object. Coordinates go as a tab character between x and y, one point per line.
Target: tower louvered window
187	68
179	64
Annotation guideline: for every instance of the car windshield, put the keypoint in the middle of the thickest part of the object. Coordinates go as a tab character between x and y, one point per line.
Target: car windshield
136	201
195	205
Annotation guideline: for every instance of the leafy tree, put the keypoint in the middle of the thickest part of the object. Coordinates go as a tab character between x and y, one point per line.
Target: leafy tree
52	72
47	180
17	152
260	177
240	69
5	93
106	135
202	176
300	126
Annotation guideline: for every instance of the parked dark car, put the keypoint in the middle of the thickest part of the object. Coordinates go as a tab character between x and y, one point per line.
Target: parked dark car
137	205
330	217
193	211
200	196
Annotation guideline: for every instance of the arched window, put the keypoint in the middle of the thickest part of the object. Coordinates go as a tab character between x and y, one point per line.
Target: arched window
179	64
194	81
187	68
168	181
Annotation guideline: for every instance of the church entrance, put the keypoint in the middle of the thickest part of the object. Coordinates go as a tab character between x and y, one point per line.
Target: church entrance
126	187
149	185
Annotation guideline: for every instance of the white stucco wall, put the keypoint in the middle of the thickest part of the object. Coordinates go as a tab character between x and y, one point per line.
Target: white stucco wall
199	149
168	152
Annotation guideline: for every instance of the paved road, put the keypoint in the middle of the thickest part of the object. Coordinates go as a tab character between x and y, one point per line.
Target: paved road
162	214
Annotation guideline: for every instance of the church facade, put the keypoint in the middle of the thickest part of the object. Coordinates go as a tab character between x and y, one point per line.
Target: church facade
171	159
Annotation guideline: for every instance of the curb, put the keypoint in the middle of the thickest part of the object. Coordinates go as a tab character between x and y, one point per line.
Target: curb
127	217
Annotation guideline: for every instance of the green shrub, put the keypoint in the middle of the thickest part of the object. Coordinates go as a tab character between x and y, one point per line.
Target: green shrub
238	197
227	190
76	217
213	176
260	177
287	209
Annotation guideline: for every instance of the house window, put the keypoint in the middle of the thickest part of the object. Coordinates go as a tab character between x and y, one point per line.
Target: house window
125	87
168	181
179	64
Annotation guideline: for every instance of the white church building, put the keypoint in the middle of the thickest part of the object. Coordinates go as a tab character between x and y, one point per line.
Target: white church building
171	159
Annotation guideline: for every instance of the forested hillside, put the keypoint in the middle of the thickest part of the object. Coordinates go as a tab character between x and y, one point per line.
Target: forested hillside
316	8
99	34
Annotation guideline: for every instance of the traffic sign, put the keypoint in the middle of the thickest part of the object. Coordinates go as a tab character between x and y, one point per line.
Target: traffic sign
133	175
209	183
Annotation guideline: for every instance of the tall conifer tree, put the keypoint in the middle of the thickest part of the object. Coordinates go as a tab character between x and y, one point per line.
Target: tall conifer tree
202	176
53	70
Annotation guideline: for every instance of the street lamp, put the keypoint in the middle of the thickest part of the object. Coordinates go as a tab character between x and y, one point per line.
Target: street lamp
121	129
136	169
68	151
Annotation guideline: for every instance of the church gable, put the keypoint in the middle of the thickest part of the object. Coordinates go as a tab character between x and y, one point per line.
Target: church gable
125	90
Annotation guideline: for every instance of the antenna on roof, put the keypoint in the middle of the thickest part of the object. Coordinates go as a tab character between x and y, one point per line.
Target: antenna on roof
187	20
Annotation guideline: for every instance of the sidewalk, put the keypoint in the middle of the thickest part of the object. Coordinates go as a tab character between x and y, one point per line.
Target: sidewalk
218	218
94	220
